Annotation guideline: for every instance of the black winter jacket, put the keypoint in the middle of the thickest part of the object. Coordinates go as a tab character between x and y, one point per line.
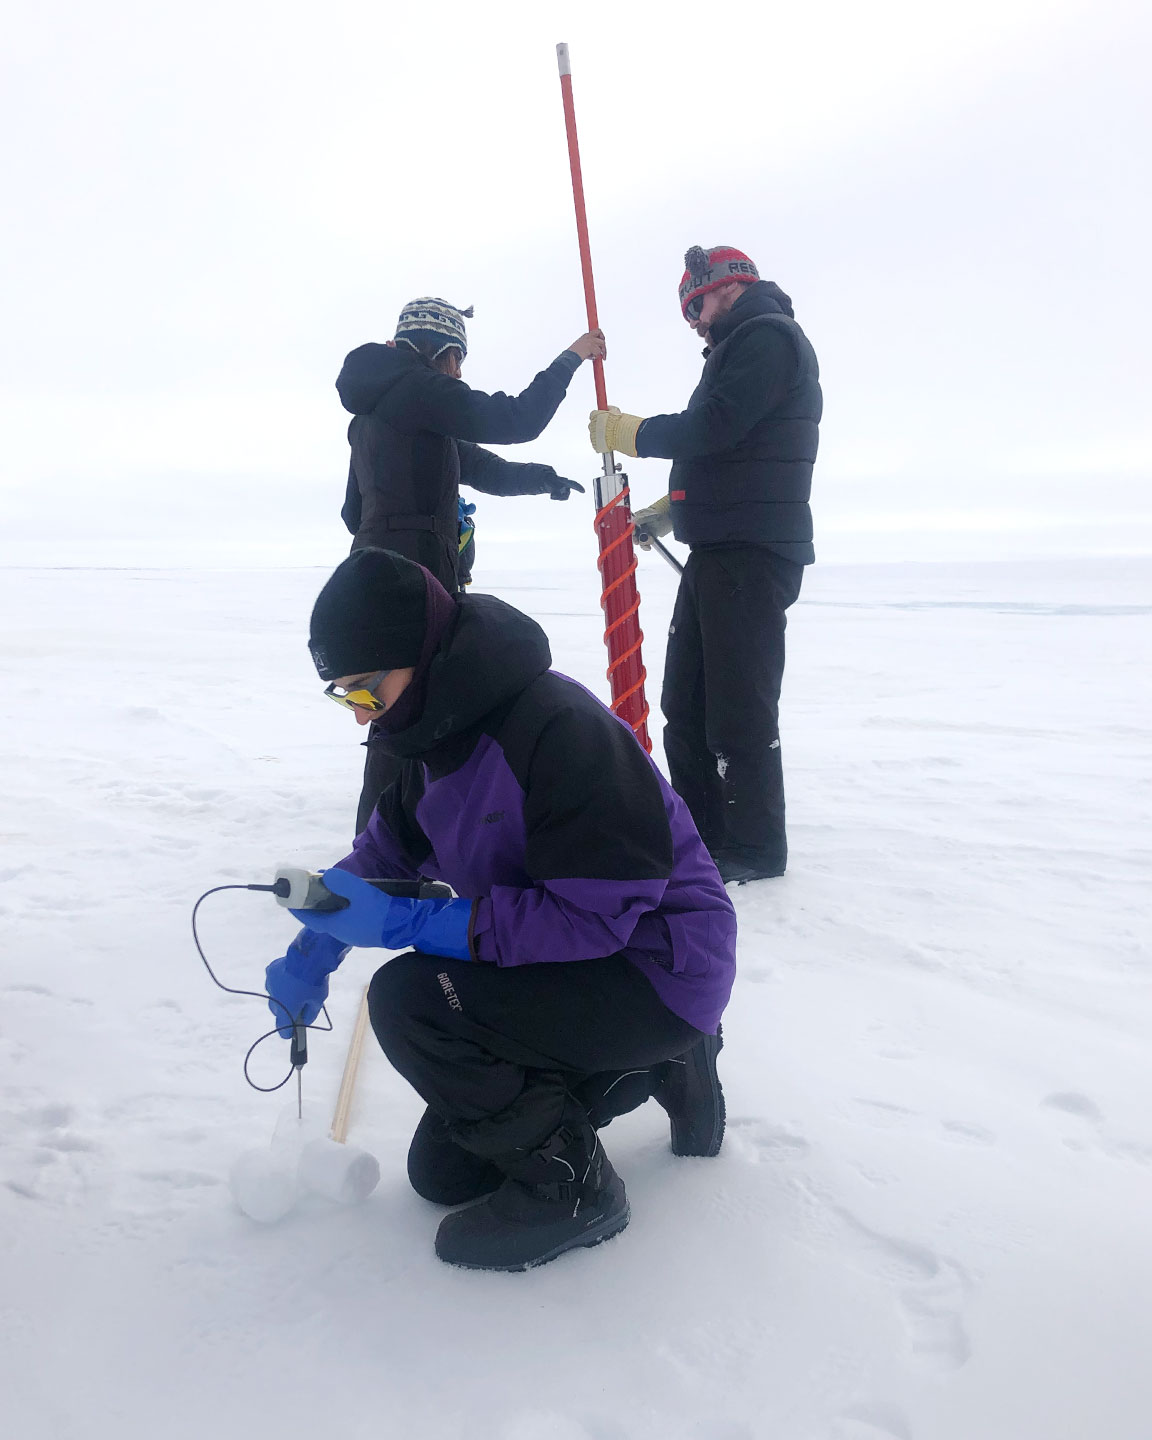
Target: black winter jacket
412	442
744	448
495	798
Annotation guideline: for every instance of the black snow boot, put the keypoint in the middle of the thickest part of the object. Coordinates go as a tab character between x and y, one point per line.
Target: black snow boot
562	1195
689	1089
444	1172
741	870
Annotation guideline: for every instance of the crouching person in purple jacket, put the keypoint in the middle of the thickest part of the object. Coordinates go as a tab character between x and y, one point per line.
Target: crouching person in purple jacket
588	960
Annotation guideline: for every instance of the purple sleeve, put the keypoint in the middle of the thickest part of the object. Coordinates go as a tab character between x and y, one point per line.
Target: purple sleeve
377	854
560	920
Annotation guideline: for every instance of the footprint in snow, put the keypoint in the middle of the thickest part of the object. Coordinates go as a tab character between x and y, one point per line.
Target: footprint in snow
886	1116
724	1430
964	1134
757	1141
70	1143
44	992
555	1425
869	1422
49	1162
1073	1104
1086	1129
51	1117
932	1292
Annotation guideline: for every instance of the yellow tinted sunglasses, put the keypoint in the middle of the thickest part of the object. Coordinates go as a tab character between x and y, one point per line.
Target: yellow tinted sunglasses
361	698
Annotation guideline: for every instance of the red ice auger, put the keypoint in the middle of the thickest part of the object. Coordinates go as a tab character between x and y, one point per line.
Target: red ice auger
619	597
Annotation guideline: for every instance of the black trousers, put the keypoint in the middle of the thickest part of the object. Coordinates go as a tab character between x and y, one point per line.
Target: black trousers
498	1052
721	698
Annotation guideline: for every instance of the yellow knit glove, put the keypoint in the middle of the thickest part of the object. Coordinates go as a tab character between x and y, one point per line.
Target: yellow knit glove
612	430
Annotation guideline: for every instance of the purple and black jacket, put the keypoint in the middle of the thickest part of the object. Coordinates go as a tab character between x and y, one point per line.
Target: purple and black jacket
529	797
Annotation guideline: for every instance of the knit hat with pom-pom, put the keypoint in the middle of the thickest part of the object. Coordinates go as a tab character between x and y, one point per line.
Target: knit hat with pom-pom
707	269
432	325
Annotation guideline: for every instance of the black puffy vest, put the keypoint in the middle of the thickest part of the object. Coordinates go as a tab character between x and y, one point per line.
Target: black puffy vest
404	482
756	493
409	488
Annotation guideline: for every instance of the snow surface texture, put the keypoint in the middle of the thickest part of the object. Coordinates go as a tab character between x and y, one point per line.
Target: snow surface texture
930	1217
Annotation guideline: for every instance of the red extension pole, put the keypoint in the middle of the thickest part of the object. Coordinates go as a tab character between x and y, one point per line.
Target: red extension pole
617	563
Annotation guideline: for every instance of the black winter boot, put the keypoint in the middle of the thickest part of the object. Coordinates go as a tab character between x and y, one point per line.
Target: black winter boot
562	1195
741	870
444	1172
689	1089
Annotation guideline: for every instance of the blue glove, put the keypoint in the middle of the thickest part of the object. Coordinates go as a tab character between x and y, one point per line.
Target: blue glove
373	919
297	983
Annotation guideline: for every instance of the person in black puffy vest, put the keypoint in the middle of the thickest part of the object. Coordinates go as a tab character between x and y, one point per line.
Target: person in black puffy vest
415	437
417	429
742	453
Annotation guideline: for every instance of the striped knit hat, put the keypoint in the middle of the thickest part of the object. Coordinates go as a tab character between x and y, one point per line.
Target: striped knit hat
707	269
432	321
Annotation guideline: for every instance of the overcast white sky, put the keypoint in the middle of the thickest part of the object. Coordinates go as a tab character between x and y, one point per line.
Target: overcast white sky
209	204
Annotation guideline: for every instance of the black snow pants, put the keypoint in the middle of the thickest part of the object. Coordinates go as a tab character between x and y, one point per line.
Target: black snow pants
721	698
496	1052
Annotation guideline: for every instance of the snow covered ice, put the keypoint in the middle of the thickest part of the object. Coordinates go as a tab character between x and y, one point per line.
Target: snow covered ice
930	1217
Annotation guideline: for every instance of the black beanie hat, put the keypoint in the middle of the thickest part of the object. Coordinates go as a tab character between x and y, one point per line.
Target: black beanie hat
371	615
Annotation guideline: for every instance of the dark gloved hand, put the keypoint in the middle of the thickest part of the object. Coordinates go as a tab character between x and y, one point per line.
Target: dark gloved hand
297	983
391	922
562	488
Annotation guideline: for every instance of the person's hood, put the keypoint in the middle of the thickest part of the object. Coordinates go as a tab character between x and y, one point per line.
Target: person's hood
370	371
764	297
489	654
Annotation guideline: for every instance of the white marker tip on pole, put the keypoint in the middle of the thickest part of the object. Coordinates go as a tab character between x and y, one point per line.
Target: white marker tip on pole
562	60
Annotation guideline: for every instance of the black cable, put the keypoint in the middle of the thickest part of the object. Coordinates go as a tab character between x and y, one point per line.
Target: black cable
256	994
